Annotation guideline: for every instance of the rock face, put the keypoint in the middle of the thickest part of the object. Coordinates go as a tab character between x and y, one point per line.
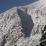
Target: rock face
10	27
24	25
43	39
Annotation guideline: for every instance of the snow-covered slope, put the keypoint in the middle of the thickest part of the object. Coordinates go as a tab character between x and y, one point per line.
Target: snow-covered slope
22	26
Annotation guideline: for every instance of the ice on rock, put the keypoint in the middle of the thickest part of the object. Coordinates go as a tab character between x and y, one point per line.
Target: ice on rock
23	25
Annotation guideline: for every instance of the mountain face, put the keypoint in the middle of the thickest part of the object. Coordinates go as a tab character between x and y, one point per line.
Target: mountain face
24	25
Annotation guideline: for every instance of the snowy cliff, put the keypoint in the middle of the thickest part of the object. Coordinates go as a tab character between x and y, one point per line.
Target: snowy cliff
23	26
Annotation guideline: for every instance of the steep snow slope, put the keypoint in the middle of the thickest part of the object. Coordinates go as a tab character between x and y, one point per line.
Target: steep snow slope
22	26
